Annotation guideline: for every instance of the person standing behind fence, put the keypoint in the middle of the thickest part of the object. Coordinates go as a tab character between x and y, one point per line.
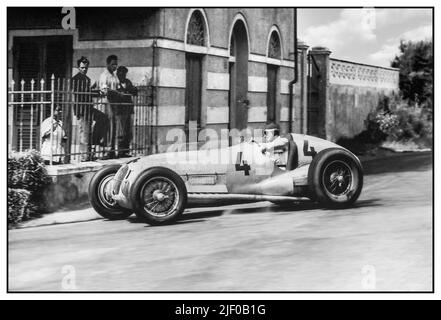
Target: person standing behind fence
108	85
81	85
89	133
124	111
53	138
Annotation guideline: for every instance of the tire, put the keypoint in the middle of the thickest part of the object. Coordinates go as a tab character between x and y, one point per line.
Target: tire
104	205
159	196
335	178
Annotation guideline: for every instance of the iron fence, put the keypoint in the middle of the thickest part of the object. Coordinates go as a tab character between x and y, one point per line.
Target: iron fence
70	122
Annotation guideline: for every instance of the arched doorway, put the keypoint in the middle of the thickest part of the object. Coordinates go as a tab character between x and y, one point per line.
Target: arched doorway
196	37
238	69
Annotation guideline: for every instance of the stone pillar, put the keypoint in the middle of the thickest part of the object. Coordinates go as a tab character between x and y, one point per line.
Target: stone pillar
320	70
303	82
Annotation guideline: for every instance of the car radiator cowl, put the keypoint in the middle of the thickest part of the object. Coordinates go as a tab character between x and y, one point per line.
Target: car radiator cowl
118	178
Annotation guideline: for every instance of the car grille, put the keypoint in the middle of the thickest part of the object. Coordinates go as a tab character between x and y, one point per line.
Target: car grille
118	178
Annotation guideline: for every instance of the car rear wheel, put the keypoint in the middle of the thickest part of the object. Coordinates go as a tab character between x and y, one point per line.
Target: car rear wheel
159	196
100	195
335	178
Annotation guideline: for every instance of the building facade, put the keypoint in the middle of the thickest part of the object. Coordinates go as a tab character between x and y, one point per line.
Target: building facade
226	68
215	68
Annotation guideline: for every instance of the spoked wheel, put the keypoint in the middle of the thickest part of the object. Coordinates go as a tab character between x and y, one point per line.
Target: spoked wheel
335	177
100	195
159	196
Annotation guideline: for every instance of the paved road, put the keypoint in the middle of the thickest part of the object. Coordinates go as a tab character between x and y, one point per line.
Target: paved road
383	243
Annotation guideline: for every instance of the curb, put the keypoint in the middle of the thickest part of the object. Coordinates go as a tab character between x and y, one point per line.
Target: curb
65	216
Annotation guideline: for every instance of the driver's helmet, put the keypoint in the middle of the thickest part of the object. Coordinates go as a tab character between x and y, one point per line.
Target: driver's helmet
271	131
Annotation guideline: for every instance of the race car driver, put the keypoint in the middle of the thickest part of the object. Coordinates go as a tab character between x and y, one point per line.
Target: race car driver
274	145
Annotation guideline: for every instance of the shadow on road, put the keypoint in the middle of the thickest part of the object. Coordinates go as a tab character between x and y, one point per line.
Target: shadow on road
411	161
201	216
211	212
186	218
368	203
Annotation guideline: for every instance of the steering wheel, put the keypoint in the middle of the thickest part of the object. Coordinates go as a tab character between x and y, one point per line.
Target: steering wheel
266	153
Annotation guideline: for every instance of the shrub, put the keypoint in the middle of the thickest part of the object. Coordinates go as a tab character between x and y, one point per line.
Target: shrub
19	208
26	172
387	122
413	123
396	121
373	132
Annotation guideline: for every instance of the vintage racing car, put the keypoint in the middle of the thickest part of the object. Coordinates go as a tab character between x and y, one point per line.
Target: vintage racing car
157	188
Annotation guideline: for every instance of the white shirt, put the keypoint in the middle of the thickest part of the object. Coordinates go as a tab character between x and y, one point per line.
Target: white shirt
57	138
108	80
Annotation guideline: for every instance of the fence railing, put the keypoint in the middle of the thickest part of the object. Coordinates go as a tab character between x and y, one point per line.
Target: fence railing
70	122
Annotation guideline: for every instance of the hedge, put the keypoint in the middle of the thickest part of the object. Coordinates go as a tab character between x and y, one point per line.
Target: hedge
26	170
18	205
27	179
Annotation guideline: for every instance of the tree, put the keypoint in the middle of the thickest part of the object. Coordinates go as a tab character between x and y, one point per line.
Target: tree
416	71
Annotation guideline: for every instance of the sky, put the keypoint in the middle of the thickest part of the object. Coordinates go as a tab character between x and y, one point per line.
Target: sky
368	35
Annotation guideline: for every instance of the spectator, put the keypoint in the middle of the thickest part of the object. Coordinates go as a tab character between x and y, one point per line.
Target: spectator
124	111
93	124
108	85
53	138
81	85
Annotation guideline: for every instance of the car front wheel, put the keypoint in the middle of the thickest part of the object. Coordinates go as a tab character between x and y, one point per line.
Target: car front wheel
159	196
100	195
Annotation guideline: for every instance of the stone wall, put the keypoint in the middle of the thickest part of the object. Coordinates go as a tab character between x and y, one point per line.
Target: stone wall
70	182
346	93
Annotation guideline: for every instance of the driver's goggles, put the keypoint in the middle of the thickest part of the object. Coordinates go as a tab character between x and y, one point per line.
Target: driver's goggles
265	132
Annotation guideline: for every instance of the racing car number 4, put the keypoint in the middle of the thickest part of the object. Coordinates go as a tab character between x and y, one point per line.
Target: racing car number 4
307	152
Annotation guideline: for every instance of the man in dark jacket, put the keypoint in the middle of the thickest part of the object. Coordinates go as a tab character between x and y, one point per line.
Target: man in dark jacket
86	114
83	106
124	111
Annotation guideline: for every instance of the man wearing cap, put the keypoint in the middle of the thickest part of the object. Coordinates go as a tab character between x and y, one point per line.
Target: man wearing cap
274	145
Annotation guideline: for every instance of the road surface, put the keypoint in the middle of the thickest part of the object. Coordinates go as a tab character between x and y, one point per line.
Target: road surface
382	243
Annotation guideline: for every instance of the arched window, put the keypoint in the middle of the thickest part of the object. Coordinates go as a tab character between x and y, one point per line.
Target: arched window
273	76
274	50
196	29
